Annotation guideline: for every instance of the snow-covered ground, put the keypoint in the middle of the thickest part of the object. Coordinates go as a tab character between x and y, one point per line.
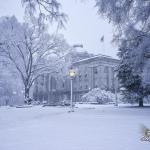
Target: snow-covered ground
90	127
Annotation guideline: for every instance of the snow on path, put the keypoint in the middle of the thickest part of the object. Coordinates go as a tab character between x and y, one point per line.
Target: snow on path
88	128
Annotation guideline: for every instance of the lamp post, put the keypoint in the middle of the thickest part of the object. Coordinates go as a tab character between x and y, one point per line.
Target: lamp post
72	75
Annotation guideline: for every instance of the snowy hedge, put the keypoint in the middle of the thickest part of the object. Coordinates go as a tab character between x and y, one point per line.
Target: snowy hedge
98	96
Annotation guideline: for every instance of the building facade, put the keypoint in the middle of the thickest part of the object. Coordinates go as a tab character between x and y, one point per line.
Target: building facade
94	72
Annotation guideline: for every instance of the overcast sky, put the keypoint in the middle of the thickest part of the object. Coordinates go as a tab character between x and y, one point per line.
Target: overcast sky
84	25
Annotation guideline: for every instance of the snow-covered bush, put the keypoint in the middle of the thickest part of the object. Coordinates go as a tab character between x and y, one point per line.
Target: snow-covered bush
98	96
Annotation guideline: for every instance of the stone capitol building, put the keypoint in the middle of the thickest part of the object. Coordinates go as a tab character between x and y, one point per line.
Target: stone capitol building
93	72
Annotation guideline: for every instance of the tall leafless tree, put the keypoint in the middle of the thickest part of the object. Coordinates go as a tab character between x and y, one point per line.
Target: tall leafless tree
30	49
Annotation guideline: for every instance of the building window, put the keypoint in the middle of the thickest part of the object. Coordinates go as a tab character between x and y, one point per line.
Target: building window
74	88
106	69
95	71
80	87
80	77
86	86
86	75
63	84
106	77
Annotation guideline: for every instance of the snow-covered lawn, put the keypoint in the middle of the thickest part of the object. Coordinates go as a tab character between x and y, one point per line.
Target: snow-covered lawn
90	127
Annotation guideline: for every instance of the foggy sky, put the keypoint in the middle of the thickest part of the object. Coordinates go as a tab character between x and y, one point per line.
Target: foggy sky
84	25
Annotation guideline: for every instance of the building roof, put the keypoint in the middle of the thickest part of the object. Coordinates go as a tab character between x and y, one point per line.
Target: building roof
97	57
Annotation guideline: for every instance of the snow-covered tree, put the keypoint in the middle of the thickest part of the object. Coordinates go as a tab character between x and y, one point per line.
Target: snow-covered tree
132	21
11	87
134	59
30	49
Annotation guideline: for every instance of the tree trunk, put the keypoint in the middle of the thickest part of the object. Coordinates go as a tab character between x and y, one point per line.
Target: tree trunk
140	102
27	95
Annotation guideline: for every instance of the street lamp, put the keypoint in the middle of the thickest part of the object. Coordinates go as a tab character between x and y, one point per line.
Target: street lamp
72	75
